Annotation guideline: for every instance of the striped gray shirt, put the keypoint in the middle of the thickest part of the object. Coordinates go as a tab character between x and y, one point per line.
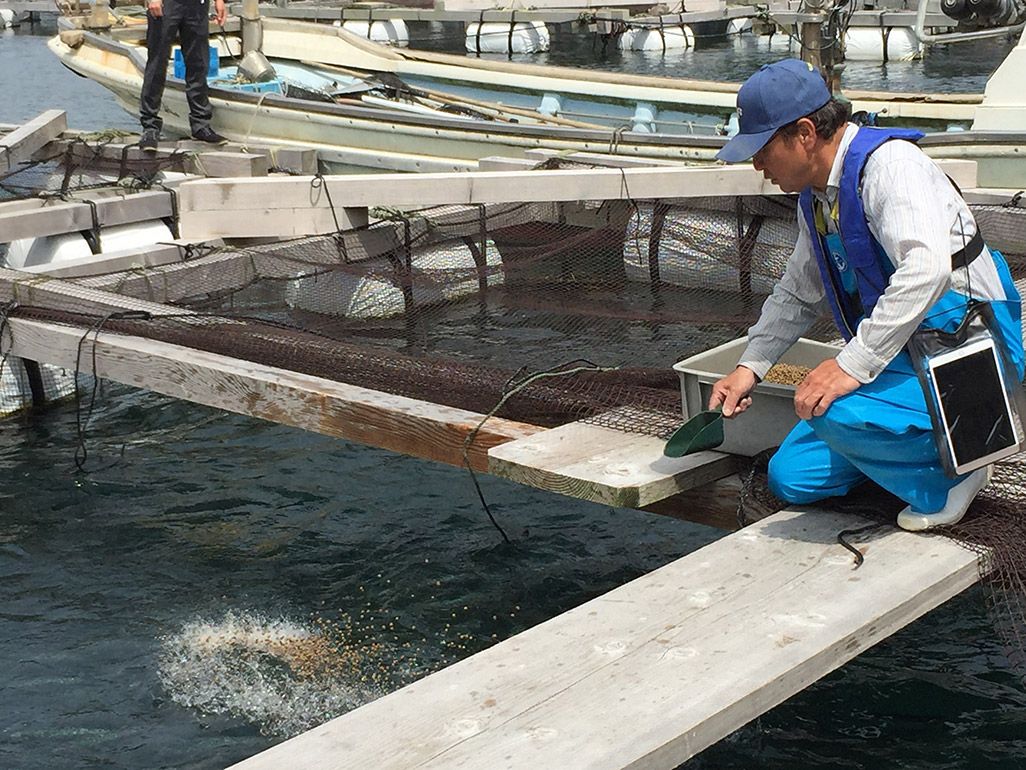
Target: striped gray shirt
919	218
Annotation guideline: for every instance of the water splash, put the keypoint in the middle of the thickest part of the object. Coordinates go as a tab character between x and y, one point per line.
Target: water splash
281	675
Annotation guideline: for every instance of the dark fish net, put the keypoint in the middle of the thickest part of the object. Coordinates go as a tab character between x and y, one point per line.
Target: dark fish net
464	305
90	161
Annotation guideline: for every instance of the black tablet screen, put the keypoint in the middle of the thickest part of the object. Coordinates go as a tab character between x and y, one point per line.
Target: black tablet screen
973	401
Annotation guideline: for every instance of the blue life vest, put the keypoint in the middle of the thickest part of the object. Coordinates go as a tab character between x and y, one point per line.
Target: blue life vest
865	258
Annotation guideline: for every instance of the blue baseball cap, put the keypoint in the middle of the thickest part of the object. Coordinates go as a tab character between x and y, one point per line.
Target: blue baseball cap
777	94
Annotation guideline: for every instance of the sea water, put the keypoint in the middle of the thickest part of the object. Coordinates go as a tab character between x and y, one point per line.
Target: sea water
212	584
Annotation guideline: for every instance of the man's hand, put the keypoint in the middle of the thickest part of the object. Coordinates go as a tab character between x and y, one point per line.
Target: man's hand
821	387
155	8
732	391
220	12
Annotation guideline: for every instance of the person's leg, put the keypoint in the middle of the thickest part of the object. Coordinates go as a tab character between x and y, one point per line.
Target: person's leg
883	429
195	35
160	32
805	470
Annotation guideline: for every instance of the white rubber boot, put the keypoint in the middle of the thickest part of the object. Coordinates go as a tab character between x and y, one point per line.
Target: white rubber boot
959	498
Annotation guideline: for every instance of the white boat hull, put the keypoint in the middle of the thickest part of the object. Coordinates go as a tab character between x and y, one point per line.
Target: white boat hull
630	116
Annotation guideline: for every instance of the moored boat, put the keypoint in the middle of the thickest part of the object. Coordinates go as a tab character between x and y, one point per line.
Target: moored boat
368	106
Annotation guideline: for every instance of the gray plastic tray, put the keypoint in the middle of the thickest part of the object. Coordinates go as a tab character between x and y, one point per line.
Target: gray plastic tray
771	416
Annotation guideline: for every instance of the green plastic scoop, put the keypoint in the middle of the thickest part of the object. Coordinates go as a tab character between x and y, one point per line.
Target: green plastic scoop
701	432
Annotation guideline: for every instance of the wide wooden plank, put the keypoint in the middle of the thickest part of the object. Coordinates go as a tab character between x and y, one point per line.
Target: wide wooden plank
592	462
19	144
416	428
471	188
114	261
62	217
293	194
227	164
653	672
57	294
267	221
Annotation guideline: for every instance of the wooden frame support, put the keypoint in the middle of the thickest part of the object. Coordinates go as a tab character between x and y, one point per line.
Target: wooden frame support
592	462
22	142
18	220
96	267
367	416
291	206
358	414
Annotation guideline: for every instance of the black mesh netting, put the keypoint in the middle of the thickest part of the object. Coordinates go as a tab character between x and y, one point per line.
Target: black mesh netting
87	162
466	305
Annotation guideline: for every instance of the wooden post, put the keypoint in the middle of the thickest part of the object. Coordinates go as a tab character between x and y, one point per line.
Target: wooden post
659	212
810	34
821	42
23	141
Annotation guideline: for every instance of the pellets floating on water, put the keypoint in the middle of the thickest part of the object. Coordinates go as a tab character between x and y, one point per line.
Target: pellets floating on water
281	675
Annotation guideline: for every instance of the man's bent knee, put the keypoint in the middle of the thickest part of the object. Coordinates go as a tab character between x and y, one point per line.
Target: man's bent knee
790	486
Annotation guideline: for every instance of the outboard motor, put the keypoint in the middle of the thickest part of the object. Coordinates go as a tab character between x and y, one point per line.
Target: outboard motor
984	14
984	9
956	9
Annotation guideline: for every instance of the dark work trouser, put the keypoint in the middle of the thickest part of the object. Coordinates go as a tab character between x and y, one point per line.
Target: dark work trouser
187	20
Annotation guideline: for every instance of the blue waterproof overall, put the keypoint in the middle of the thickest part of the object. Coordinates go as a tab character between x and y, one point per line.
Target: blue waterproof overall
881	431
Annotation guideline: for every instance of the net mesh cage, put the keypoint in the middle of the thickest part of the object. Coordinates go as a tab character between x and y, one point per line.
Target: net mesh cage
467	306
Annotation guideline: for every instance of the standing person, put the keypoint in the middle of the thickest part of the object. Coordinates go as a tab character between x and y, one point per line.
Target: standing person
189	21
886	243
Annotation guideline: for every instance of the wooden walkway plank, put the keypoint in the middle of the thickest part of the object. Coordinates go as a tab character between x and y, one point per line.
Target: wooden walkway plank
17	221
223	163
19	144
608	466
405	425
296	158
653	672
418	190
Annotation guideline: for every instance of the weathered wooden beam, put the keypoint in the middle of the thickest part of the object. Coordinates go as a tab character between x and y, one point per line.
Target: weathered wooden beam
285	198
227	164
655	671
19	144
207	223
112	261
44	291
592	462
177	280
55	218
350	13
470	188
405	425
235	268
